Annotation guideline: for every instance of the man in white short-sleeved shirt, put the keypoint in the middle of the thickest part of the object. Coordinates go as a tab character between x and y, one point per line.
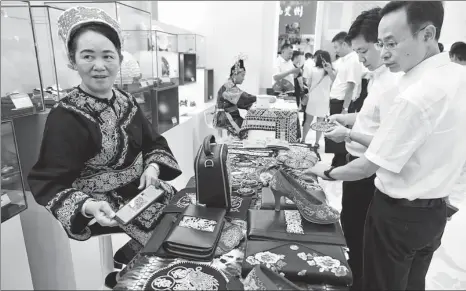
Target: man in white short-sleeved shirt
283	67
417	153
357	195
346	87
347	83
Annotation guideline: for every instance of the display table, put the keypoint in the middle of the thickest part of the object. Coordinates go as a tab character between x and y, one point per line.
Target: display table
136	274
280	121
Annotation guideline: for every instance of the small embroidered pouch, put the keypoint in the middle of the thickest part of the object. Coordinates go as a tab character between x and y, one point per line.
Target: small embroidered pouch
300	262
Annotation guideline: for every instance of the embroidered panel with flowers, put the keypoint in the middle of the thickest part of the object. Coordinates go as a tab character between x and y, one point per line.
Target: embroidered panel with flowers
310	263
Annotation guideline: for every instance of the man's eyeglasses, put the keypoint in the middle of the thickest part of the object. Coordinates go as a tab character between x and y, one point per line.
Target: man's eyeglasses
391	45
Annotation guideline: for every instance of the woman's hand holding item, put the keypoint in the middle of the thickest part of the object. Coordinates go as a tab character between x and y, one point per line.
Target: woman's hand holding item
150	177
102	212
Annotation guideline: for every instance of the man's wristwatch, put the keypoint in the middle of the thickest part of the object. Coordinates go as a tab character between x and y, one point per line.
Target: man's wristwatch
327	173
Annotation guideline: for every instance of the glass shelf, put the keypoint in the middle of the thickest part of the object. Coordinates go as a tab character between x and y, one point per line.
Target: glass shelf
13	196
201	51
187	43
166	45
21	84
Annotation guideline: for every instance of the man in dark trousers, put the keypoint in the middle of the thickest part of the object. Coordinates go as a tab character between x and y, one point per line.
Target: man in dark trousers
417	153
346	87
357	195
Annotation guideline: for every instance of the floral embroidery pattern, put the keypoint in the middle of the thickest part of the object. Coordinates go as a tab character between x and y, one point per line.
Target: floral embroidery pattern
324	263
252	282
182	278
189	198
64	206
161	157
112	145
293	222
294	247
271	260
198	223
231	236
236	203
110	180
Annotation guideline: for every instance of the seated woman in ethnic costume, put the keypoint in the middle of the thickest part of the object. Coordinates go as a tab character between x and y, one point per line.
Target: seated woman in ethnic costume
230	98
98	150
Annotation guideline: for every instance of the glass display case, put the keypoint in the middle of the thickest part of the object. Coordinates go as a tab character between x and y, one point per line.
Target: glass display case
57	77
13	196
201	51
187	43
166	46
21	84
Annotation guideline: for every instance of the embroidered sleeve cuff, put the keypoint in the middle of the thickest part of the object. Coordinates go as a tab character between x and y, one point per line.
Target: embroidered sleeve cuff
169	168
66	207
383	163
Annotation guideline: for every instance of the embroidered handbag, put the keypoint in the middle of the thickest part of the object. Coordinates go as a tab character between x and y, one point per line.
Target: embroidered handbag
288	225
300	262
212	174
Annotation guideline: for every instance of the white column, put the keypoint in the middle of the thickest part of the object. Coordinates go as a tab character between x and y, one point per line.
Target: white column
319	28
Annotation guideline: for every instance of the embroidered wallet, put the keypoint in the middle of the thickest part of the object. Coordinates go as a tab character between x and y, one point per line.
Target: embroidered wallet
196	233
230	238
288	225
300	262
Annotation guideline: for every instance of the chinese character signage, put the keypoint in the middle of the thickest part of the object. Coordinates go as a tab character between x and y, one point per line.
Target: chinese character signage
302	12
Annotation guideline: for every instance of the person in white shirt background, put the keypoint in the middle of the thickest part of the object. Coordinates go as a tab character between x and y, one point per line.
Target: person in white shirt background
417	153
284	68
345	88
358	194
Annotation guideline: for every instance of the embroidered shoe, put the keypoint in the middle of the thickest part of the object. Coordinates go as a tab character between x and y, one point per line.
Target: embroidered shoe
262	278
311	207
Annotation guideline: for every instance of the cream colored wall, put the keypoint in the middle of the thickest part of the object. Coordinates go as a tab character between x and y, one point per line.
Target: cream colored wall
230	28
454	23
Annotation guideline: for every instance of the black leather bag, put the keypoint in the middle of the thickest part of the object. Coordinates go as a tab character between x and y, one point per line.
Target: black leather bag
212	174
